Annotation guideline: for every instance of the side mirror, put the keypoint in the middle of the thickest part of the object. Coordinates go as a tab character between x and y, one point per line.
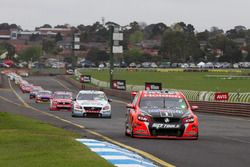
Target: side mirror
194	108
130	105
134	93
110	100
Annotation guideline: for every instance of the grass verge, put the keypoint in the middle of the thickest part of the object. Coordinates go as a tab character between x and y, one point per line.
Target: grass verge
28	143
177	80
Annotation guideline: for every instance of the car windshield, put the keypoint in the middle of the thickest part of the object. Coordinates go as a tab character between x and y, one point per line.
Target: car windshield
44	93
62	96
91	96
163	102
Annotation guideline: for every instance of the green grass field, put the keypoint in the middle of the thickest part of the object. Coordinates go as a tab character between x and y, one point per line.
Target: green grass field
178	80
28	143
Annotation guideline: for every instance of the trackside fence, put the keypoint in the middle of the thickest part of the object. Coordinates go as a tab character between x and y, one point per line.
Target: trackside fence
225	108
234	97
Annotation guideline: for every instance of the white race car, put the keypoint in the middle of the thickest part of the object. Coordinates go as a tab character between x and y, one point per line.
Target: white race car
91	103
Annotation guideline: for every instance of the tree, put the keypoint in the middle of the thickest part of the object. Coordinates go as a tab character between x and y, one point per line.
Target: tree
136	37
135	26
58	37
203	36
231	51
46	26
154	30
4	26
133	55
10	49
62	26
31	54
95	55
178	46
48	46
2	49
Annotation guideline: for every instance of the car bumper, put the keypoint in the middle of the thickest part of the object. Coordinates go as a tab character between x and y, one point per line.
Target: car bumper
103	114
186	131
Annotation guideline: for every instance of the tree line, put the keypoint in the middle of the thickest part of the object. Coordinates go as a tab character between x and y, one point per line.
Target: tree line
179	42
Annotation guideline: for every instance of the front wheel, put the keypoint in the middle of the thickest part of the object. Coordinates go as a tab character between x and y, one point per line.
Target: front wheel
126	129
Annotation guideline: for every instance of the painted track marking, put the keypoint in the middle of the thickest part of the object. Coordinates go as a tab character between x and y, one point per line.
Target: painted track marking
145	154
7	100
116	155
19	97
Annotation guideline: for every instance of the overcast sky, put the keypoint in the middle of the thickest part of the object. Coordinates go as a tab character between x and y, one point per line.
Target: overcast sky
203	14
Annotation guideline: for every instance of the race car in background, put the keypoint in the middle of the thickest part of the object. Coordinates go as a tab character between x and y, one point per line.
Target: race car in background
91	103
26	87
43	96
34	91
161	114
61	100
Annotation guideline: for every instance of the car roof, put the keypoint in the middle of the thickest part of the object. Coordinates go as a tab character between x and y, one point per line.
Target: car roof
162	93
91	92
63	92
47	91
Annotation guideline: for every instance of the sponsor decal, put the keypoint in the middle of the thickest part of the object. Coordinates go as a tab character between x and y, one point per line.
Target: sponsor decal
161	95
119	84
153	86
85	78
92	111
219	96
166	120
165	126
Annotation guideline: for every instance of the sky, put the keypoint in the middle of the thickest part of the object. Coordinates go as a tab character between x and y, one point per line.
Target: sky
203	14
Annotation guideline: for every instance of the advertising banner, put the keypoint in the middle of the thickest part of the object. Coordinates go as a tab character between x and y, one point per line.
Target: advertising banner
221	96
119	84
153	86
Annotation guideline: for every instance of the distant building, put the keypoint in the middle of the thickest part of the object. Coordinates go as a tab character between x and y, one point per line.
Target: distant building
5	35
53	31
20	45
150	44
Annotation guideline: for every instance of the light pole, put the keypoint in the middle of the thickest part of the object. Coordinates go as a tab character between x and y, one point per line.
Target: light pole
111	57
115	37
75	46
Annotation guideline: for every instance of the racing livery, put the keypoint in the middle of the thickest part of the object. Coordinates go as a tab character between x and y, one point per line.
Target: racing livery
34	91
61	100
43	96
161	114
91	103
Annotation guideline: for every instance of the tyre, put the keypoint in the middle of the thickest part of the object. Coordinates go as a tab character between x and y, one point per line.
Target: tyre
126	132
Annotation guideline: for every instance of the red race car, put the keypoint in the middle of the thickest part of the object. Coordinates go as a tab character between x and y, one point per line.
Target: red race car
61	100
26	87
161	114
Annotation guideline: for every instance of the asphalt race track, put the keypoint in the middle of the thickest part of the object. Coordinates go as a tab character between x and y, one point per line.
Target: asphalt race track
223	141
